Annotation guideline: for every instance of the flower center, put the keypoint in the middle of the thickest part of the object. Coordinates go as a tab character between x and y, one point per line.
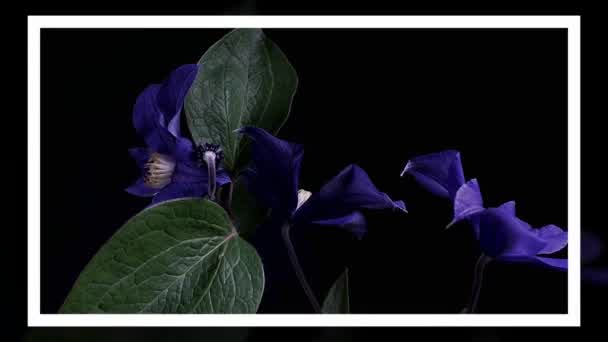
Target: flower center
207	152
158	170
303	196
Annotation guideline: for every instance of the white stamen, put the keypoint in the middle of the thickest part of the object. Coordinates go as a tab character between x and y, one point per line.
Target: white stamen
159	170
209	158
303	196
209	155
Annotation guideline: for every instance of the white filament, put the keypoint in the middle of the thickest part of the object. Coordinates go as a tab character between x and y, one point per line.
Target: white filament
209	158
159	170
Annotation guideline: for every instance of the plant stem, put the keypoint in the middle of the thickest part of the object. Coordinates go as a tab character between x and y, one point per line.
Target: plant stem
224	194
293	258
480	266
228	198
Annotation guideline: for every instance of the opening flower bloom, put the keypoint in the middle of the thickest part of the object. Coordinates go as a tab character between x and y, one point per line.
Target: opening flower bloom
170	168
501	234
274	177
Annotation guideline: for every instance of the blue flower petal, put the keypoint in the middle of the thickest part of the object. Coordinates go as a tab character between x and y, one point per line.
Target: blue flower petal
467	201
508	207
440	173
275	170
344	194
400	205
354	223
147	120
171	95
188	172
183	150
504	236
156	113
501	233
555	238
139	188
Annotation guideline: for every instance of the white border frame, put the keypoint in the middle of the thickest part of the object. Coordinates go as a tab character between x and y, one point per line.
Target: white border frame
571	23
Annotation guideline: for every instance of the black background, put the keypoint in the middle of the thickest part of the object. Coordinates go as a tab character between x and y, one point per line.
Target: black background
371	97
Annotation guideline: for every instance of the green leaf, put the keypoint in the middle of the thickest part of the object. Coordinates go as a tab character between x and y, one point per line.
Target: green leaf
181	256
247	213
337	299
244	80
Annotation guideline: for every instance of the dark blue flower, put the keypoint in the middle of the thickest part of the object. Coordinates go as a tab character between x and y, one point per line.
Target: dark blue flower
501	234
170	168
274	176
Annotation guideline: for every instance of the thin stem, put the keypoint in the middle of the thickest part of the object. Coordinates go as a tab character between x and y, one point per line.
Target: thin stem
293	258
480	266
224	193
228	198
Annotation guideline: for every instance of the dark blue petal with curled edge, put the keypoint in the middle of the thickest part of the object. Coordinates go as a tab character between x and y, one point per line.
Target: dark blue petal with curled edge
171	95
157	109
467	201
349	191
556	239
354	223
440	173
504	236
275	170
183	150
148	121
502	233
